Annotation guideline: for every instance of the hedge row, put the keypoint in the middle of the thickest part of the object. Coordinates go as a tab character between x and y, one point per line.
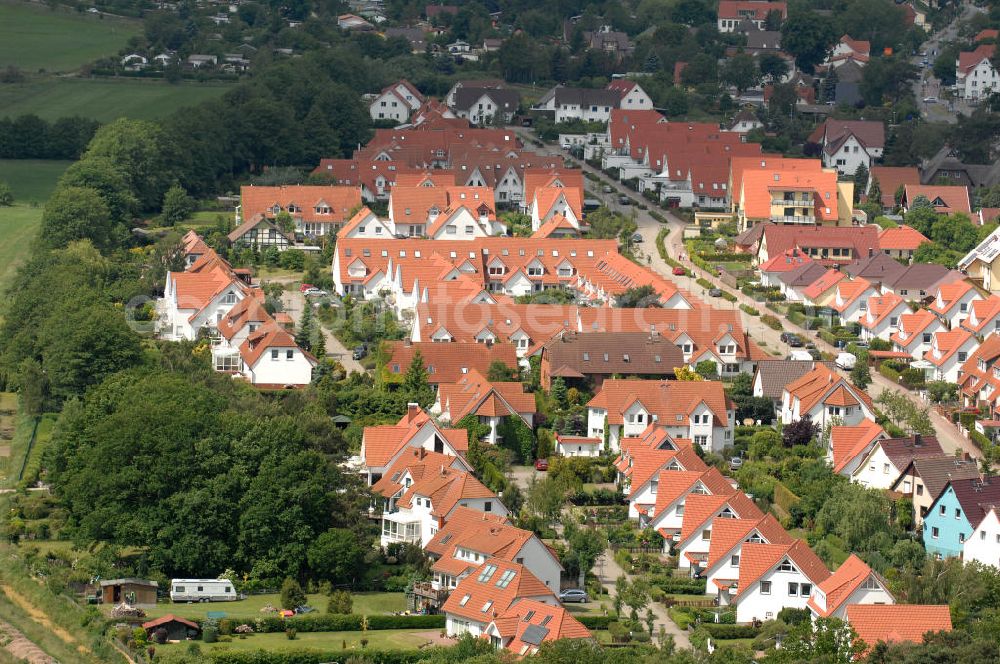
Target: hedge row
679	586
721	631
704	283
771	321
327	622
728	297
750	310
596	622
314	656
888	372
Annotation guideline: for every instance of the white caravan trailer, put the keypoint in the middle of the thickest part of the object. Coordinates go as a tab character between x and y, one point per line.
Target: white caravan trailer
202	590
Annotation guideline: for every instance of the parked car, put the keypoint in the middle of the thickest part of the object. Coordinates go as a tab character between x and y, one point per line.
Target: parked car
315	292
304	608
306	287
791	339
715	292
735	463
624	200
930	100
606	189
679	271
360	352
801	356
636	237
542	465
574	595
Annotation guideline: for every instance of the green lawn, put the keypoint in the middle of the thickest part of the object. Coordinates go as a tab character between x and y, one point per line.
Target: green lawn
103	99
364	603
35	38
32	179
383	639
17	228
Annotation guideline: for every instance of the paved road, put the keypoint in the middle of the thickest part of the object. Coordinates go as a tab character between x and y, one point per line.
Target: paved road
609	570
293	301
951	439
927	85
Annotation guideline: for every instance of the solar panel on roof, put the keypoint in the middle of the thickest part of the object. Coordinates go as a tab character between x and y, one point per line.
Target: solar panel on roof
534	634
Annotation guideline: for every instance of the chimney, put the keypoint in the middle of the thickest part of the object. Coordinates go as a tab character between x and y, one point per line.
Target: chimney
421	453
411	411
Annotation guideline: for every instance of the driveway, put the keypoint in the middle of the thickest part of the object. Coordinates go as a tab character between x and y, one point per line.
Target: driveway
293	301
948	435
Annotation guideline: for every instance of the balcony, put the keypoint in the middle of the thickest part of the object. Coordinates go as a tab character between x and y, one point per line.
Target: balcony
793	219
394	529
784	202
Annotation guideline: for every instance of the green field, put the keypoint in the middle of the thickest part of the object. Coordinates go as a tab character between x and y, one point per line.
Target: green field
364	603
35	38
32	179
383	639
17	228
103	99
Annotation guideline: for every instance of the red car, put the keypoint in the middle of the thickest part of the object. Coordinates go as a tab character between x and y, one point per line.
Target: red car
304	287
679	271
542	465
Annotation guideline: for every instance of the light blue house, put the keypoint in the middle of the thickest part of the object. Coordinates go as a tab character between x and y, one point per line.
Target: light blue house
950	519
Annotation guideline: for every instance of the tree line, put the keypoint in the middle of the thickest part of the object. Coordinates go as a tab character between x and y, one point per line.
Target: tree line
31	137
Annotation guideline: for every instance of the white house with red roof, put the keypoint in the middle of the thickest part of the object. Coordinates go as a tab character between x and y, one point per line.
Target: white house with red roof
383	445
701	514
773	577
849	50
825	397
492	402
854	582
733	13
952	302
698	411
984	316
271	358
915	333
949	350
782	263
882	463
670	489
850	445
640	467
426	492
551	200
198	298
848	144
470	537
880	319
578	446
396	102
633	97
722	567
524	627
488	593
975	76
850	299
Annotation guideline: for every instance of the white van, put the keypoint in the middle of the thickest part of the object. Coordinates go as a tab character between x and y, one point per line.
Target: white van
202	590
846	361
800	355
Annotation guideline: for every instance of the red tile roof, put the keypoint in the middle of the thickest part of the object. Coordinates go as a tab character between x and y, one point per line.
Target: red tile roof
483	601
890	178
850	441
550	622
946	343
382	443
969	59
306	198
823	383
849	291
894	623
786	261
901	238
841	584
474	394
881	307
728	533
913	325
758	9
447	363
672	402
824	284
948	296
945	198
756	560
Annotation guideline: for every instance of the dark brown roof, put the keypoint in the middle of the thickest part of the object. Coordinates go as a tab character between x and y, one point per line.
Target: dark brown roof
936	472
629	353
977	496
922	276
169	618
506	100
901	451
803	276
775	374
877	268
586	97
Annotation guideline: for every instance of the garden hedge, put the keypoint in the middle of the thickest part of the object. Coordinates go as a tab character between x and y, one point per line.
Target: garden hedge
771	322
315	656
327	622
596	622
721	631
750	310
679	586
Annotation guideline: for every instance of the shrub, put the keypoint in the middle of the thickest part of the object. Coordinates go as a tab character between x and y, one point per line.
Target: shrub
210	634
291	594
728	297
886	370
679	586
226	626
704	283
771	321
291	633
597	622
792	616
339	602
